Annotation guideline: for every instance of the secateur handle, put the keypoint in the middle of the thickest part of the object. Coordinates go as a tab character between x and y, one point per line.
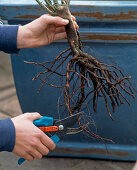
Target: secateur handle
44	121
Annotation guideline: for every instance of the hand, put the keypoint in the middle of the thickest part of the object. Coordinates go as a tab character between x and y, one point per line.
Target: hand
42	31
30	142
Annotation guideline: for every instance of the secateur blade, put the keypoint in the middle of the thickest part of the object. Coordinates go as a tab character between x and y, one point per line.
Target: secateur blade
71	131
69	121
76	130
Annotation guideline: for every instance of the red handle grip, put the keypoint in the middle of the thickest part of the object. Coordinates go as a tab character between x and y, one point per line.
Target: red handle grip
49	128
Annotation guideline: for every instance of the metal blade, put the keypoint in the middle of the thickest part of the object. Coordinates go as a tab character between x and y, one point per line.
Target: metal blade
71	131
76	130
69	121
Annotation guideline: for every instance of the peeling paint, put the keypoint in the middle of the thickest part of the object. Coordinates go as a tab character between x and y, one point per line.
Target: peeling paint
92	151
110	37
115	17
27	16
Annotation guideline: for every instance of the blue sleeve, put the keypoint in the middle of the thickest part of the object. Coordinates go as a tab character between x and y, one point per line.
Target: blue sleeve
8	38
7	135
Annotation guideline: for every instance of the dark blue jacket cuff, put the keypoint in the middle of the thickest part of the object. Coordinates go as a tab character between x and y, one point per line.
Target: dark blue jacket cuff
8	38
7	135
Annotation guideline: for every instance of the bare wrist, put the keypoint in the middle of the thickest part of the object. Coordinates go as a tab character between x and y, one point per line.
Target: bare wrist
19	38
23	37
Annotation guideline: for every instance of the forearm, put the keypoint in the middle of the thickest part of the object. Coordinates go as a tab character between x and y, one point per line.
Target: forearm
7	135
8	38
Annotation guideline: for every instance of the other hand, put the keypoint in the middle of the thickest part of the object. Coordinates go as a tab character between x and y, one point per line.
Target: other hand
30	141
42	31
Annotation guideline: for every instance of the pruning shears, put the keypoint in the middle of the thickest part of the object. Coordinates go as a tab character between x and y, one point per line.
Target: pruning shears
58	128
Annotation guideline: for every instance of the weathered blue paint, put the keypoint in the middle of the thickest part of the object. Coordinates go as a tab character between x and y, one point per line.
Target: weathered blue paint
110	29
88	10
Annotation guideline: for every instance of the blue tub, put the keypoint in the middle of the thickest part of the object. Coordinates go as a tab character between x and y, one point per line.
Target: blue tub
110	29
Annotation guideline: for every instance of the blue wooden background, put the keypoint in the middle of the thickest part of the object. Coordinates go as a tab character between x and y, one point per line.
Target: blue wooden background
109	28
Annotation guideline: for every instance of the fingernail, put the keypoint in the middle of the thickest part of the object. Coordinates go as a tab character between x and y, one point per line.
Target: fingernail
65	21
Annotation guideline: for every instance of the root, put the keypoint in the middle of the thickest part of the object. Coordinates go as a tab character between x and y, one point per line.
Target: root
85	77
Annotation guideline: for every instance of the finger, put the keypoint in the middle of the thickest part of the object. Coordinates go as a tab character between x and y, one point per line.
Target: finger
47	142
73	18
33	116
58	21
36	154
29	157
60	36
60	29
42	149
76	25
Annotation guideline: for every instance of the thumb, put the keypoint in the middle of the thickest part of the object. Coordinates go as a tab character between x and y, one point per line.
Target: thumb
33	116
47	19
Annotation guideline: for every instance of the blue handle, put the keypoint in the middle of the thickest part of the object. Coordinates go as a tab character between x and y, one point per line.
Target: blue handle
44	121
55	139
21	160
